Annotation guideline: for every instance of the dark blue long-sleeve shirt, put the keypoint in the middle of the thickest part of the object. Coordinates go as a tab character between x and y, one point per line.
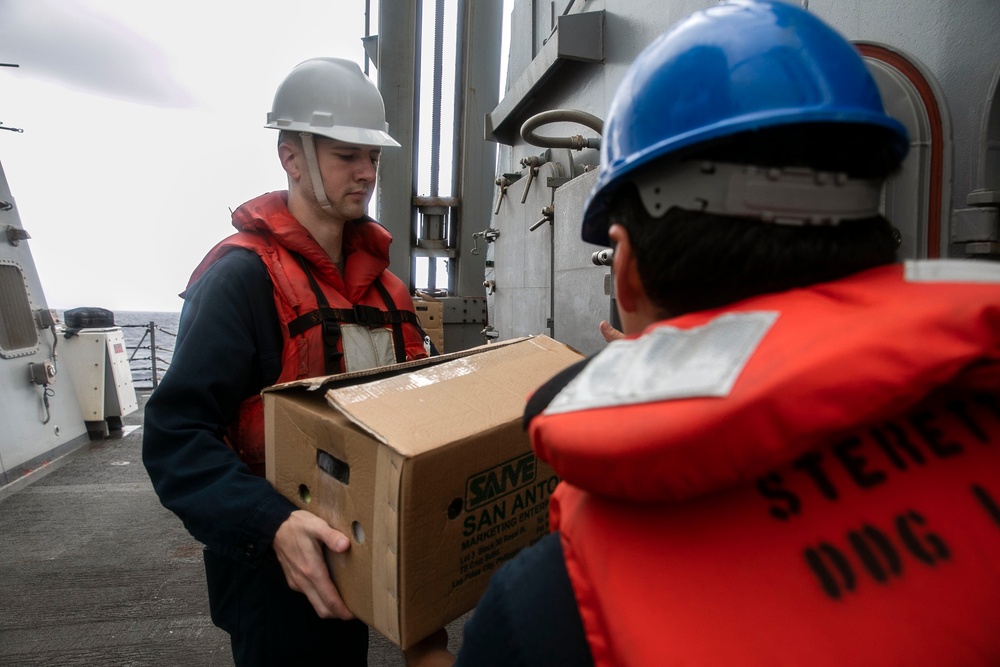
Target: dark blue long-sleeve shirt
228	349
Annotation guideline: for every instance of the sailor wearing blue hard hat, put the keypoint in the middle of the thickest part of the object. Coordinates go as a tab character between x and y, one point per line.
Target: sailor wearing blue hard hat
756	474
773	65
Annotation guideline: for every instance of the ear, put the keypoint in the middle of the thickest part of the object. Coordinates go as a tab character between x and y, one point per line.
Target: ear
628	284
290	158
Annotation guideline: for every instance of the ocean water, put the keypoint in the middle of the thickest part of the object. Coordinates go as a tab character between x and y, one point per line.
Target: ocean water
135	326
136	331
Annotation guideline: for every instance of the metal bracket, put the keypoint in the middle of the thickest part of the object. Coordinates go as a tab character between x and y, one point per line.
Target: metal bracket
982	249
45	318
489	235
580	37
983	198
42	373
16	235
981	223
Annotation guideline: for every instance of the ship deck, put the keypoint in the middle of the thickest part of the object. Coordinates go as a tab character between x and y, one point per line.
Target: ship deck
95	571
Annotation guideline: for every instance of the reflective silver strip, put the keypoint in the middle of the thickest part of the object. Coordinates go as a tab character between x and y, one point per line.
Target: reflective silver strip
366	348
668	363
951	271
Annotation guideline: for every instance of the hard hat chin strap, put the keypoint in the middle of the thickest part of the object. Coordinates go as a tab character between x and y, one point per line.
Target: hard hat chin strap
312	163
786	196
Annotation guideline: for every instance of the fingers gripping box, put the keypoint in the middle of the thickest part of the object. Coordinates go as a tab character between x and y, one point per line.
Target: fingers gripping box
426	468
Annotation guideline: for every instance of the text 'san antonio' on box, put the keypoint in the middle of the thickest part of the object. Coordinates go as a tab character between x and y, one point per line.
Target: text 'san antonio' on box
426	467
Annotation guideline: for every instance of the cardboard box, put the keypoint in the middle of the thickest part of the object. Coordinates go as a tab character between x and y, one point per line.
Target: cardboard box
426	467
430	312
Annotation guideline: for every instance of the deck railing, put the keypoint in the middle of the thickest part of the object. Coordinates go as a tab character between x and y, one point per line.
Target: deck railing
146	356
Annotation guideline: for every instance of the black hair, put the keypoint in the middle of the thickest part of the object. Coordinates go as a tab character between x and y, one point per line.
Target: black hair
691	261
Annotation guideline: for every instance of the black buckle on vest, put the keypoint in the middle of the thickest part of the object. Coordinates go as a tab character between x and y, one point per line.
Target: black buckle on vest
331	330
368	316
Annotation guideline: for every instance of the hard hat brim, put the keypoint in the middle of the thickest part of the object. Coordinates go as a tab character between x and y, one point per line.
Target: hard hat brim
349	135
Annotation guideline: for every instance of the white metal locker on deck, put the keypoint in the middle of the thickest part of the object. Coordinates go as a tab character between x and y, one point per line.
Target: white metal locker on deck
98	361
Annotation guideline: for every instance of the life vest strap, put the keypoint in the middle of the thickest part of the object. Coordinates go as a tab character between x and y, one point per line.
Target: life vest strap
368	316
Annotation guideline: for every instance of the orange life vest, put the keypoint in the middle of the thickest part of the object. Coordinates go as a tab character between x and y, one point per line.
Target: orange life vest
834	501
314	300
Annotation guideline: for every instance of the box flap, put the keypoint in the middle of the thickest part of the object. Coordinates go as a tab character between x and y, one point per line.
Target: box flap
425	296
329	381
424	407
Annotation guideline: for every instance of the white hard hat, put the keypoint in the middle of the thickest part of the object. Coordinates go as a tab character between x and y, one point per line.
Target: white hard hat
333	98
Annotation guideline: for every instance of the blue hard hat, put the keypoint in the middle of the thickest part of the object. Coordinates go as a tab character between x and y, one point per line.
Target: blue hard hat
744	65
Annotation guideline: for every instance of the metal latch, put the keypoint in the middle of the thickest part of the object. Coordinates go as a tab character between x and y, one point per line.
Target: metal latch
547	214
532	164
489	235
502	184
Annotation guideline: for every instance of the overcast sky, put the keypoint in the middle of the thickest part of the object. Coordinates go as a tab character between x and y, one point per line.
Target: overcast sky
143	127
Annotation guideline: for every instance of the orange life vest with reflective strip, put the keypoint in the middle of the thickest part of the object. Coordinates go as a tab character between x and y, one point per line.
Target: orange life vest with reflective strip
314	300
804	478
